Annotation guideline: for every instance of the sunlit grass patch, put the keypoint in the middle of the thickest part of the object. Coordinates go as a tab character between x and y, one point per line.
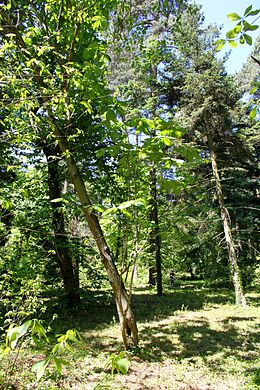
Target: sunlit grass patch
188	340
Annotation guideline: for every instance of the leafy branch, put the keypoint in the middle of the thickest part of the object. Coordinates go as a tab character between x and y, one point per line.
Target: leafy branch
240	32
32	331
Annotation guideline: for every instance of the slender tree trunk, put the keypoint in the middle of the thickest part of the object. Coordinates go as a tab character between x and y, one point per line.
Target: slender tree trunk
74	231
64	260
155	241
125	313
240	298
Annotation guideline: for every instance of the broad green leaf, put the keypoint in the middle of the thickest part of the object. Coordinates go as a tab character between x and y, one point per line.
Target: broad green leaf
9	5
242	40
38	329
166	141
248	39
220	44
176	133
57	200
253	90
248	9
87	105
72	335
233	17
23	328
238	28
110	115
12	337
15	333
231	34
68	346
127	204
232	43
122	365
40	367
255	12
111	210
249	27
253	113
127	214
57	364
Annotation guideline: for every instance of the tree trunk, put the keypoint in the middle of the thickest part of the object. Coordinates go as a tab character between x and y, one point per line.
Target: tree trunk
64	260
240	298
155	242
152	276
126	316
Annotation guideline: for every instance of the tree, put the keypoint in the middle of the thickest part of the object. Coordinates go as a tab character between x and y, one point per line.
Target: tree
144	39
208	96
56	57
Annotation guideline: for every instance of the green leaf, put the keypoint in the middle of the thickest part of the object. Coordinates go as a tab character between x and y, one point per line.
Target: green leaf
253	90
234	17
110	115
176	133
220	44
15	333
127	204
248	39
98	21
255	12
238	28
9	5
58	200
122	365
248	9
166	141
253	113
242	40
87	105
38	329
73	335
249	27
40	367
58	364
231	34
11	167
232	43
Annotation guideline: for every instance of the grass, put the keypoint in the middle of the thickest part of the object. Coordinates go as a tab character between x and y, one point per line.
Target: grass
190	339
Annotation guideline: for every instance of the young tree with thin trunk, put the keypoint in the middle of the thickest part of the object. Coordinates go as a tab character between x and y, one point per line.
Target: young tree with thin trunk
60	63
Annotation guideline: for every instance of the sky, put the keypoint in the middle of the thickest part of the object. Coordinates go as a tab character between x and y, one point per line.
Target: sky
215	11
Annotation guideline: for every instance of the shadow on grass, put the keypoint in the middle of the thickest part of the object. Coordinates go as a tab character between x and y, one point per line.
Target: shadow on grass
187	337
98	307
190	339
149	307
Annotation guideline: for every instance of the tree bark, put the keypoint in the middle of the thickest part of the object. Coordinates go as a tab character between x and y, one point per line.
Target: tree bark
155	239
240	297
126	316
64	260
155	242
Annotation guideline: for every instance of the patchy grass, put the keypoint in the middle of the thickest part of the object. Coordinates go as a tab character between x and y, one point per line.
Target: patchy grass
190	339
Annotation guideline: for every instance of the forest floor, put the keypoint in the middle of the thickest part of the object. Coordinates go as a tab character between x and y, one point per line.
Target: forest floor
190	339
